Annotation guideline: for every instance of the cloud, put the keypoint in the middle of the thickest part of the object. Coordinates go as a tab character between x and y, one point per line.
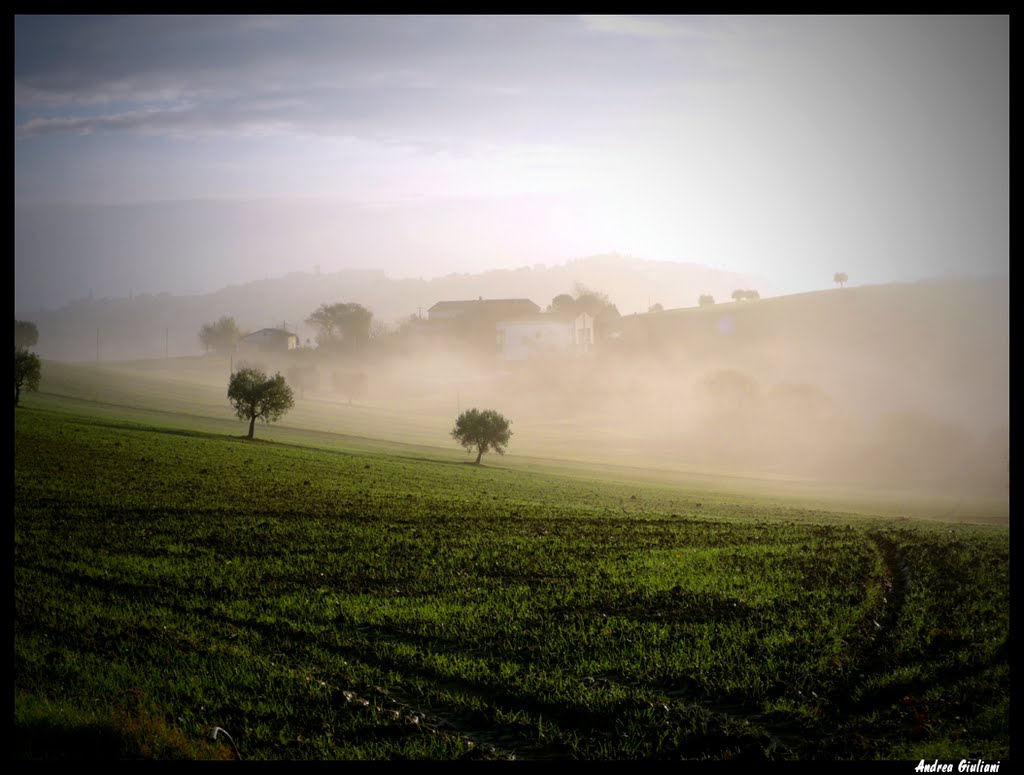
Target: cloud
424	79
647	27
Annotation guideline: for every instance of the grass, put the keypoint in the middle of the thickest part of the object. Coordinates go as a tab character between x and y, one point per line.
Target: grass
319	597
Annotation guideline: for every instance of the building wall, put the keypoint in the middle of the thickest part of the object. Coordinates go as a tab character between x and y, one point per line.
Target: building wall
583	333
539	337
524	340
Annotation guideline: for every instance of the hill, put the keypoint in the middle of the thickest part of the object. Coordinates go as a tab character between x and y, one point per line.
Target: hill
940	346
904	383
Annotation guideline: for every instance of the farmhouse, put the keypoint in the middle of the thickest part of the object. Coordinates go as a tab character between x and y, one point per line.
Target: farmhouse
269	340
545	336
473	322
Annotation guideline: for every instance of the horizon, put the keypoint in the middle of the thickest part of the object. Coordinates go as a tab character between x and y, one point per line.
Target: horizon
765	291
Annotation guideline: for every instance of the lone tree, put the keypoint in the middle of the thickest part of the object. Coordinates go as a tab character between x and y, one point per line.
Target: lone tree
706	300
25	334
840	278
27	371
484	430
253	394
220	336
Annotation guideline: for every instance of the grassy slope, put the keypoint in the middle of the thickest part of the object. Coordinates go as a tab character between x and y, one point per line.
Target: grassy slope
321	600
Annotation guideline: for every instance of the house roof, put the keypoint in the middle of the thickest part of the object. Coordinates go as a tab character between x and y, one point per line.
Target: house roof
266	331
489	304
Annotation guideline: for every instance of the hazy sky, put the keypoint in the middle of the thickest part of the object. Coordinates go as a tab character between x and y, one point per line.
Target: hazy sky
788	147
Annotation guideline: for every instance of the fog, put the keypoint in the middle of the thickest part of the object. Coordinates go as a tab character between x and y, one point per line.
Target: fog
923	409
902	385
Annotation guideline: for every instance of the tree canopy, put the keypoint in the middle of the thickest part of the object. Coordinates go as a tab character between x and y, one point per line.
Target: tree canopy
220	336
27	371
595	303
562	303
591	302
840	278
482	430
345	324
255	395
25	334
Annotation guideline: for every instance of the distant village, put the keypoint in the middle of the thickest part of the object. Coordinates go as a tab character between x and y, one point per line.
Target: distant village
515	330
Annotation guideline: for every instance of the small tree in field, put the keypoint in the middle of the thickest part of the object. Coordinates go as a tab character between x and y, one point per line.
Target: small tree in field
27	371
484	431
253	394
840	279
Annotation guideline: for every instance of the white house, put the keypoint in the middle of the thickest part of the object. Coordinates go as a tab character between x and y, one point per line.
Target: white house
545	336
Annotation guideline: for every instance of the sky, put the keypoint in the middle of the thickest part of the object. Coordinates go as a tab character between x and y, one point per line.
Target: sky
787	147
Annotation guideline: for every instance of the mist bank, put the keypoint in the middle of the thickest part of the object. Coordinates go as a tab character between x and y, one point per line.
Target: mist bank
895	386
902	387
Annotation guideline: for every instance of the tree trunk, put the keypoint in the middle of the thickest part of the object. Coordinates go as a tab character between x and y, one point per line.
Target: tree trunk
252	425
479	455
17	394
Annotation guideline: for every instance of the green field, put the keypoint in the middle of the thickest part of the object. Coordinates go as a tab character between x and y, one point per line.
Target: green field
348	586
